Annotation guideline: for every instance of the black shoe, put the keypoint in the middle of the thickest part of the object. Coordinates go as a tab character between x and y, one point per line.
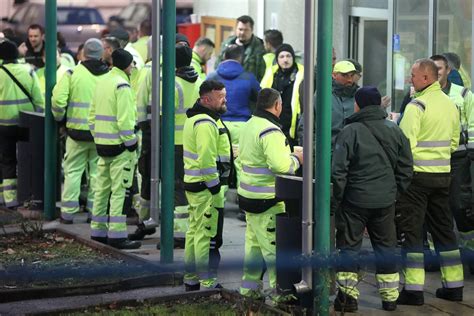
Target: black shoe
179	243
100	239
241	216
65	221
453	294
345	303
389	306
411	298
190	288
124	244
141	232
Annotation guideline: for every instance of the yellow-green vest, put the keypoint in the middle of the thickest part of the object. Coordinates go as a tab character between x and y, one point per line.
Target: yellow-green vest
12	98
462	98
196	64
263	152
72	96
185	95
431	124
267	82
112	114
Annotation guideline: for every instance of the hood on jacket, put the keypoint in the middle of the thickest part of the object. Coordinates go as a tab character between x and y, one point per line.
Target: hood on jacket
96	67
229	69
187	73
368	113
199	109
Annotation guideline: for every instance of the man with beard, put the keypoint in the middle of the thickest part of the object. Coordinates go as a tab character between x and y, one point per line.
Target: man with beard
343	91
253	56
286	77
206	148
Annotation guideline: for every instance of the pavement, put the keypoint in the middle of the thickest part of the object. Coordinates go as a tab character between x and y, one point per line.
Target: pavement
232	253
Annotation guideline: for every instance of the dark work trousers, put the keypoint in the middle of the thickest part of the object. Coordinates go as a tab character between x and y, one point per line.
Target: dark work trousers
8	140
144	167
460	191
350	224
216	243
426	200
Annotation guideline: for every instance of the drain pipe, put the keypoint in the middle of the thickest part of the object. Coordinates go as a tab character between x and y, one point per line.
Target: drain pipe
304	286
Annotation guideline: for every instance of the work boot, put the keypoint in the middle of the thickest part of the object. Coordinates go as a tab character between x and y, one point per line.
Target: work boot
411	298
124	244
389	306
100	239
241	216
192	287
344	302
141	232
450	294
179	243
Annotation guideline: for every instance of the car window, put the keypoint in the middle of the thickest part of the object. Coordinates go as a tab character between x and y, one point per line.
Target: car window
19	14
71	16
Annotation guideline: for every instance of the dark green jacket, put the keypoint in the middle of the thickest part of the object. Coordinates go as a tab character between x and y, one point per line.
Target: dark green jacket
362	173
253	56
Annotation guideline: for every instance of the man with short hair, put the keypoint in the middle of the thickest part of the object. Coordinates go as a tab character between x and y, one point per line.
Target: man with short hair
253	55
202	52
12	101
112	119
110	44
206	154
71	101
272	39
264	152
431	124
371	165
141	45
35	46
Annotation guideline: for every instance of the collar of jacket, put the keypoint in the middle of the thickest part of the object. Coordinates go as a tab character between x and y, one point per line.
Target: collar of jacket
367	113
447	89
268	116
199	109
187	73
435	86
121	73
197	58
344	91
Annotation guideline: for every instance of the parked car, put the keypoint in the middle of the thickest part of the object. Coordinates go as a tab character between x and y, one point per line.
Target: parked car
77	24
133	14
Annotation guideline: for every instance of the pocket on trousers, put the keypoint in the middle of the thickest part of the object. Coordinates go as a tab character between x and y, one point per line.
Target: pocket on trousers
127	173
210	222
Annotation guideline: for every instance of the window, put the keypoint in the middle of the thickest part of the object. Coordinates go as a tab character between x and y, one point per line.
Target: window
72	16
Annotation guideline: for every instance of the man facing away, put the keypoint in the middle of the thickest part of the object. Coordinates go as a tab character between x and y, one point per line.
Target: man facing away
264	152
371	165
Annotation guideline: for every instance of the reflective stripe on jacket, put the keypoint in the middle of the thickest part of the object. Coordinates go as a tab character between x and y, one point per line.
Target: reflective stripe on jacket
431	123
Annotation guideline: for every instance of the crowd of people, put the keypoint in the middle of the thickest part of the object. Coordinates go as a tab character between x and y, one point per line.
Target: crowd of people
404	181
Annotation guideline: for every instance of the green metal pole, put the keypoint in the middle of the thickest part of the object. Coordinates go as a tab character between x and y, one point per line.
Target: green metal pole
321	232
50	128
167	158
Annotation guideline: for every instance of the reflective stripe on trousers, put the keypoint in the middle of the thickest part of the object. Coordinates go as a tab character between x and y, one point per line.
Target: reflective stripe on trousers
414	271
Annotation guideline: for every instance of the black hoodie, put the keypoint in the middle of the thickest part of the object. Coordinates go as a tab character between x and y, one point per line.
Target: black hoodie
362	172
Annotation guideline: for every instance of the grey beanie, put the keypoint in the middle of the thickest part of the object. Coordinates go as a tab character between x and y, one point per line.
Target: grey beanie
93	49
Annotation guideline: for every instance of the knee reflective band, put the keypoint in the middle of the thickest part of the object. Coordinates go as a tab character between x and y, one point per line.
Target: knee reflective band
452	274
181	216
347	283
388	286
9	192
466	240
414	271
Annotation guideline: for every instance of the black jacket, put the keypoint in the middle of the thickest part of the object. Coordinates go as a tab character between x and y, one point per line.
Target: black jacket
362	173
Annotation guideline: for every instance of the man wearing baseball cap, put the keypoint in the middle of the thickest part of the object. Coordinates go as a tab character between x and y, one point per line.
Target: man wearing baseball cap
343	91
